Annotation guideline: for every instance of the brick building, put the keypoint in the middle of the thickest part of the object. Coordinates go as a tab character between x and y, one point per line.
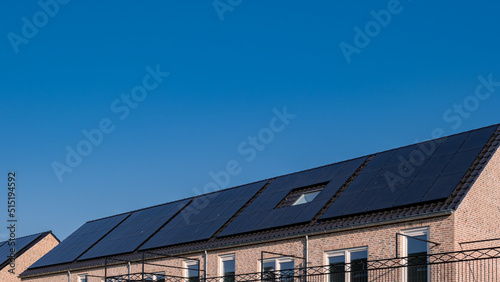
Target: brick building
26	250
423	212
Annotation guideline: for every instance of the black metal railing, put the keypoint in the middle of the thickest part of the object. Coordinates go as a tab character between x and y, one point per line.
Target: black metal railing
479	265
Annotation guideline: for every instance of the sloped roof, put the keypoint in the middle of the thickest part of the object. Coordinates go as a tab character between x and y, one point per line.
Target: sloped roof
21	244
424	179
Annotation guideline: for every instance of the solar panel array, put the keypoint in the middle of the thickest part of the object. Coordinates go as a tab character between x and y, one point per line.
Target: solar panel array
262	212
134	230
413	174
418	173
79	241
20	244
204	216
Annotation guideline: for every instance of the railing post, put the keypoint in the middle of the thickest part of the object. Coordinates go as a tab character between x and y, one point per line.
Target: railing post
261	265
198	268
105	269
143	266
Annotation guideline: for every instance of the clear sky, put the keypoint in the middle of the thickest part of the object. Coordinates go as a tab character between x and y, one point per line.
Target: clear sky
355	77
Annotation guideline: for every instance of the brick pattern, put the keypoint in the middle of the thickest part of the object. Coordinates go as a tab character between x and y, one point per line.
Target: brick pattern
478	216
28	258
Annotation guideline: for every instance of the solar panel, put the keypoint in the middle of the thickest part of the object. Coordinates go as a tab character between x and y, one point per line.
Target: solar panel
268	219
203	217
80	240
450	145
328	173
262	212
443	187
423	172
478	138
362	201
461	162
361	181
399	155
433	167
310	176
414	192
4	251
379	161
133	231
330	189
378	181
340	204
387	197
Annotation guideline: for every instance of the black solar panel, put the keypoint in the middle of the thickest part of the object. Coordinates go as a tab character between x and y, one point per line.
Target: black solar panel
19	244
340	204
262	212
363	201
387	197
414	192
450	145
203	217
133	231
442	187
417	173
79	241
478	138
309	177
433	167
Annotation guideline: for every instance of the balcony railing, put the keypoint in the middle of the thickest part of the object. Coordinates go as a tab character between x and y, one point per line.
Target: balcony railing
478	265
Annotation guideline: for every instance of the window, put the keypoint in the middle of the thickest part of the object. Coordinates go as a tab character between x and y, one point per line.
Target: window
301	195
281	267
228	267
416	248
82	278
306	198
348	265
192	270
157	276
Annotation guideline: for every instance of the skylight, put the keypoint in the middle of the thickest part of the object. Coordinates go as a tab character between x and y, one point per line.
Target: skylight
306	198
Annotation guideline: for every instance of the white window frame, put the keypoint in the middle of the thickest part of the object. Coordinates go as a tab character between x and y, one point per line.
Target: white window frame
81	277
224	258
154	276
421	231
187	264
277	262
347	257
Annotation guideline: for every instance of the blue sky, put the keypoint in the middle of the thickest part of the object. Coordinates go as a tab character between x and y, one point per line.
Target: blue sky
228	69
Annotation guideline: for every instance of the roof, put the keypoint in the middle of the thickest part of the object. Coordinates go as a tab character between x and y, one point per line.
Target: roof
426	179
22	244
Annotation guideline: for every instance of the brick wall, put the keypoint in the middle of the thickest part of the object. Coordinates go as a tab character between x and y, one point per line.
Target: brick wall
28	258
478	216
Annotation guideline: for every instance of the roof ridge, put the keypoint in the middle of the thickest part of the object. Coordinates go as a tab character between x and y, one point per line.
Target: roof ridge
34	234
